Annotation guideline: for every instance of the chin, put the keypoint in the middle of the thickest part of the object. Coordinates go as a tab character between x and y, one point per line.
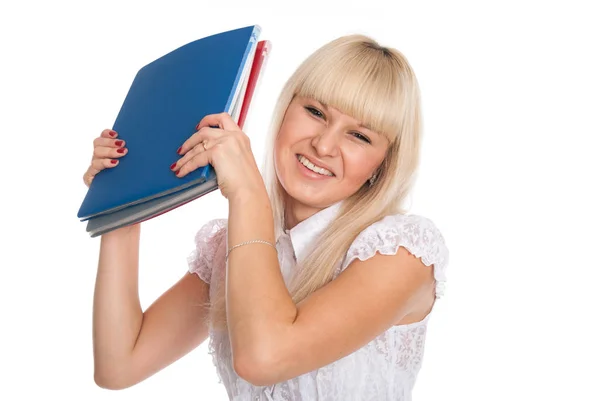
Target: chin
313	197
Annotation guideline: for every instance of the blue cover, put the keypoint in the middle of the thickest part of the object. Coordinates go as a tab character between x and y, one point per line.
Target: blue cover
165	102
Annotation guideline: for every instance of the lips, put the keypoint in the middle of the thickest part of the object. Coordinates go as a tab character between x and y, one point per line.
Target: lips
317	163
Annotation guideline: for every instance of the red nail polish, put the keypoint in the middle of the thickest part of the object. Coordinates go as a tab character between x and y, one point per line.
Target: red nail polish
177	172
118	143
113	161
197	126
112	133
179	150
173	165
121	150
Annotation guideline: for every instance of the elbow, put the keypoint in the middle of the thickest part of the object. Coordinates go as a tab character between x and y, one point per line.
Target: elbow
111	380
257	371
104	382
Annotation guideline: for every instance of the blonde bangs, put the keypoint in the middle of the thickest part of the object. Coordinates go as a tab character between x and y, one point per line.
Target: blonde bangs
363	84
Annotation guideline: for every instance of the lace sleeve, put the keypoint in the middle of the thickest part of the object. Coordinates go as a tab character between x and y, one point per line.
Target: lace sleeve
207	240
417	234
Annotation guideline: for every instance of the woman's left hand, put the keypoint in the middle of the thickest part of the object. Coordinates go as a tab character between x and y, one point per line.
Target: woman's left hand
227	150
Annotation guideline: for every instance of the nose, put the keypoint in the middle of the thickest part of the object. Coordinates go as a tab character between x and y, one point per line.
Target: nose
326	142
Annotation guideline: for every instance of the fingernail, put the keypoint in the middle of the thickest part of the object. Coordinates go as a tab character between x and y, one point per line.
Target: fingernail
177	172
179	150
173	165
121	150
112	133
113	161
118	143
197	126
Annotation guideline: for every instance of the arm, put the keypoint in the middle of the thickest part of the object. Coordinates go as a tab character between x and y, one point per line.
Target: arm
131	345
273	339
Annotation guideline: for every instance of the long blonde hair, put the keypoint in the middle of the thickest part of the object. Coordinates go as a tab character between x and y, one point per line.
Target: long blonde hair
377	86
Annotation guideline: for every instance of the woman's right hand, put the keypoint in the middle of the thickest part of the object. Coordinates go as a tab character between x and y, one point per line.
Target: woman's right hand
107	149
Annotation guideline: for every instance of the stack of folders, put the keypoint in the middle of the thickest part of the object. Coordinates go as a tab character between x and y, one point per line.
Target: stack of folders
165	102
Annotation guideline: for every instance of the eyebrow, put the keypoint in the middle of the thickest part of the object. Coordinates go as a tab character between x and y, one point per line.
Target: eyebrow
360	125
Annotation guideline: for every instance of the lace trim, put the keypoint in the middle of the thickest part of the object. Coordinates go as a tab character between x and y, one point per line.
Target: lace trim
207	240
217	353
396	354
417	234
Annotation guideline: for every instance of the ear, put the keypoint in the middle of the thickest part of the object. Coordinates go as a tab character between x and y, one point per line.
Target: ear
378	170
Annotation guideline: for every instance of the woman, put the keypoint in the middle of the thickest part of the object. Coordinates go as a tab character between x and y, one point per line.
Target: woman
330	284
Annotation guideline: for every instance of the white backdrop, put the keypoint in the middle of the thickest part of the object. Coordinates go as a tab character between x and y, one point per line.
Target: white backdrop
509	174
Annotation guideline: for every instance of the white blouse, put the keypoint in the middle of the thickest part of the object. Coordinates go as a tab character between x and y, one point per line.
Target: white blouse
384	369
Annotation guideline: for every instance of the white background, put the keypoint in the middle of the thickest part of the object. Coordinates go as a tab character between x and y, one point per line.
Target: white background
509	174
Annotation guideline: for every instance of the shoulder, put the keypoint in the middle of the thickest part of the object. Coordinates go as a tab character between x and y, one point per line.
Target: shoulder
417	234
208	241
211	230
209	238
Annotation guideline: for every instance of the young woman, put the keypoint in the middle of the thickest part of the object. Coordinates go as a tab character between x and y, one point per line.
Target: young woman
318	286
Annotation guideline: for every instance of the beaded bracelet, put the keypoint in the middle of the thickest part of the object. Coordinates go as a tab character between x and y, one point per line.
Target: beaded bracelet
248	242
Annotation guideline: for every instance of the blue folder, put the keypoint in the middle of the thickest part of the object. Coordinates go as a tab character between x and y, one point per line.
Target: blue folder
165	102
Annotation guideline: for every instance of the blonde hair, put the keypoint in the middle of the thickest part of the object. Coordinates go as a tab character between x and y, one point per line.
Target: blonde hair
377	86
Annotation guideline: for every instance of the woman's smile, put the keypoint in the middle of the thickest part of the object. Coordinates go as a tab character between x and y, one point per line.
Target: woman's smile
309	170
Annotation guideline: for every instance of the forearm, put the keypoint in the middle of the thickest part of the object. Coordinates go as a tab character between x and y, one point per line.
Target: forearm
259	307
117	315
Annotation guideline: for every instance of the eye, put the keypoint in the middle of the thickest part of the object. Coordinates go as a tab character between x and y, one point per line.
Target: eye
361	137
315	112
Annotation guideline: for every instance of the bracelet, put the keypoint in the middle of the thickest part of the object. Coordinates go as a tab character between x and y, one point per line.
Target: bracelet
249	242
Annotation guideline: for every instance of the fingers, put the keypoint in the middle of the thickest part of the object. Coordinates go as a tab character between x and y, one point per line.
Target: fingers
108	133
194	158
200	160
95	167
107	149
211	126
222	120
205	133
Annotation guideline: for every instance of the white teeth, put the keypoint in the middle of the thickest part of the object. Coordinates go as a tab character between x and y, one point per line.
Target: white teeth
314	168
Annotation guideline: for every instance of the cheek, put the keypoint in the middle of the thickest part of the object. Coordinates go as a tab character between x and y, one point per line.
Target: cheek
282	145
286	140
358	166
288	132
281	154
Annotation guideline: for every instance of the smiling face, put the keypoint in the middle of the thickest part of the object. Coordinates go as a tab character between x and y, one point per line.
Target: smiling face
341	153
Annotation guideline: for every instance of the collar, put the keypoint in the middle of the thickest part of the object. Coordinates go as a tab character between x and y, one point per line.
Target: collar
304	232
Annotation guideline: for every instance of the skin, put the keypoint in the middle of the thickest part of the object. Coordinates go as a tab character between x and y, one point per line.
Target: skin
272	338
324	134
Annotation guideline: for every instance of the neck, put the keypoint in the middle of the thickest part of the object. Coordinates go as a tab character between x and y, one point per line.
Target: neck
296	212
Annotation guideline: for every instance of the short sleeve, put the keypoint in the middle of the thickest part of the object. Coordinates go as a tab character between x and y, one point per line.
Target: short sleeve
417	234
208	239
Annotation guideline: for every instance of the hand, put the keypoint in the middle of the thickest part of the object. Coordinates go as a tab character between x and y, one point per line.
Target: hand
227	149
107	149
